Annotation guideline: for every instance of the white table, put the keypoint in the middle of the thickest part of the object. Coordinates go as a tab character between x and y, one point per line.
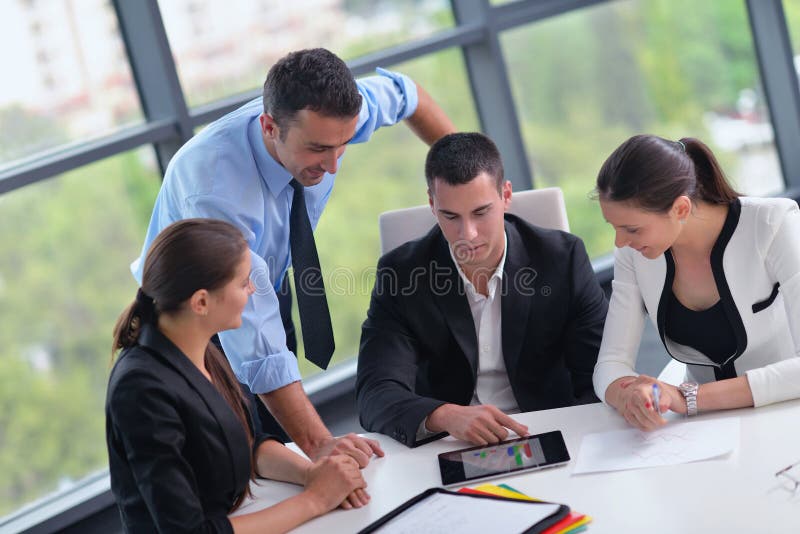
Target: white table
735	493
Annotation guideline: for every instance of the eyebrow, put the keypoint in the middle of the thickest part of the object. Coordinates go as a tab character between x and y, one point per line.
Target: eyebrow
312	144
479	208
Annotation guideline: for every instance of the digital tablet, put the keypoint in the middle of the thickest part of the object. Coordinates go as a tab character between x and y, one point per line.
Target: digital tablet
507	457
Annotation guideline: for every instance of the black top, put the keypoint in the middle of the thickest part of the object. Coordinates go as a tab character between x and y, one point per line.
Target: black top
707	331
735	329
178	455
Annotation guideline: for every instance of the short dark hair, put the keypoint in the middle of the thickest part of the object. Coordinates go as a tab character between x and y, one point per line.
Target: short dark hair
459	158
652	172
314	79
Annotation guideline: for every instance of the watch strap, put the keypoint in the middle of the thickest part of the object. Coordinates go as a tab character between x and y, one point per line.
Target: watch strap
689	390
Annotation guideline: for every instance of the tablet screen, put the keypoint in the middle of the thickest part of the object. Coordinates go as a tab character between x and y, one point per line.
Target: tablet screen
522	454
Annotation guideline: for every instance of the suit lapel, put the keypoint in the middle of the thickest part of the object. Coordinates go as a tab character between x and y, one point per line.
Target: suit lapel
232	431
515	302
450	297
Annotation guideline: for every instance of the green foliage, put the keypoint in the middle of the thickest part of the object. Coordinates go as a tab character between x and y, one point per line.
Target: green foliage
585	81
791	9
64	279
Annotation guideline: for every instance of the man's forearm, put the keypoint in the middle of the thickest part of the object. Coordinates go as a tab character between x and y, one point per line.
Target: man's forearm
429	122
298	417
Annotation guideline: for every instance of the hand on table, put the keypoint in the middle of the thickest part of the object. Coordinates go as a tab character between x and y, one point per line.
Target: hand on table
634	401
360	450
480	425
333	479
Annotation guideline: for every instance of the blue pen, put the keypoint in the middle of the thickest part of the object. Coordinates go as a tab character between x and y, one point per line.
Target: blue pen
657	398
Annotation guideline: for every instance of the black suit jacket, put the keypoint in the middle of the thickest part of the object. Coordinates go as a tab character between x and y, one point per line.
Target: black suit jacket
178	455
419	346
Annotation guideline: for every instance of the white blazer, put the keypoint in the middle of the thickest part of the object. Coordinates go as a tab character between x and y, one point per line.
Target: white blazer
756	265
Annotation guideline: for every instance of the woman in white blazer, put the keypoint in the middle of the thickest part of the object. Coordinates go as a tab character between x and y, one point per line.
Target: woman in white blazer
717	273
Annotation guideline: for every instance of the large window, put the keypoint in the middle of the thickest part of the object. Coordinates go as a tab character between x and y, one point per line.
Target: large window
64	278
222	48
587	80
66	77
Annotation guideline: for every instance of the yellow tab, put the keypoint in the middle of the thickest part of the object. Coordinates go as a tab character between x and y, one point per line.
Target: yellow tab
503	492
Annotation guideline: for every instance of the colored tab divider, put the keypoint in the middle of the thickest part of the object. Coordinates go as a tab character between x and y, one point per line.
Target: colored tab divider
572	524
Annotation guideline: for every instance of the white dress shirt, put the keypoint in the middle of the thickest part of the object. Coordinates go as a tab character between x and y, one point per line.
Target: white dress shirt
492	386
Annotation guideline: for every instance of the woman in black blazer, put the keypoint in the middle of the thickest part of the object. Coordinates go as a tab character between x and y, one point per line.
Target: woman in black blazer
180	438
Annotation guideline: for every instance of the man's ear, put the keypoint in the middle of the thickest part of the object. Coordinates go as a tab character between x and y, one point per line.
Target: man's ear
505	194
269	128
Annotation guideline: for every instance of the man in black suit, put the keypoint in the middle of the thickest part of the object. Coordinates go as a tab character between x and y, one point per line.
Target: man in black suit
484	316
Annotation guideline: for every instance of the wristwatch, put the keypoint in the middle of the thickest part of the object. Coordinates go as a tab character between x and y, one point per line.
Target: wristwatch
689	390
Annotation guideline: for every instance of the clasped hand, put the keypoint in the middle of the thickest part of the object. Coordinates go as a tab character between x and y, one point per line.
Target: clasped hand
633	399
336	481
358	448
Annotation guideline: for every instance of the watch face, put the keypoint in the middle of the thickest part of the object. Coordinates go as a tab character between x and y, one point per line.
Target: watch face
687	388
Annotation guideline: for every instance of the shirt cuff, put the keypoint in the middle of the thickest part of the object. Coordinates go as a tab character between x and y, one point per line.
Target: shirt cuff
270	372
408	87
423	432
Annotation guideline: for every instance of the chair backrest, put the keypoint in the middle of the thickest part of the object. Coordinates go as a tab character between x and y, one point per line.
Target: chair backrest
542	207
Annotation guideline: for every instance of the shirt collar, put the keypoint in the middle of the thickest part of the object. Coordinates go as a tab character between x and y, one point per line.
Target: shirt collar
496	276
274	175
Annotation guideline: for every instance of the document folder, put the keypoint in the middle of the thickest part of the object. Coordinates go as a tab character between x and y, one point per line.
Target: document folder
438	509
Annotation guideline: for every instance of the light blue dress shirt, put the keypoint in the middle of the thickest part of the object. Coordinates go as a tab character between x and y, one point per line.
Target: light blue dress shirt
225	172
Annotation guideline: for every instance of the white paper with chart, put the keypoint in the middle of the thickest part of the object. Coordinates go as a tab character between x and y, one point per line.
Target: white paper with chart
676	443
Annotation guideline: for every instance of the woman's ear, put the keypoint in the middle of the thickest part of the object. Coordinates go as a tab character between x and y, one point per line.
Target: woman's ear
682	207
199	302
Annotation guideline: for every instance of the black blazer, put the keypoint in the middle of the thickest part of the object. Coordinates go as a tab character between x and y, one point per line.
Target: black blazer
419	346
178	455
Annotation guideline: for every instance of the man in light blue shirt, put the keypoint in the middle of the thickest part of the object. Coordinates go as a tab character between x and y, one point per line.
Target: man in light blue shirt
239	169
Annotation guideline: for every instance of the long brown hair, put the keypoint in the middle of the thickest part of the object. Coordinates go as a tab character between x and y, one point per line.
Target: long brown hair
186	256
652	172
